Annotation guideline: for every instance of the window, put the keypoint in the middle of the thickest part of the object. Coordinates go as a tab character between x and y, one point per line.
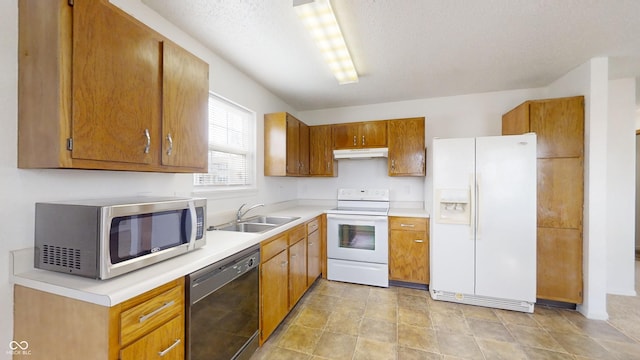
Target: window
231	146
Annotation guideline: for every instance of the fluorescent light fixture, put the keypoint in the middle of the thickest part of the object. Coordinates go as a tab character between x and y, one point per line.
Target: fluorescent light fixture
319	19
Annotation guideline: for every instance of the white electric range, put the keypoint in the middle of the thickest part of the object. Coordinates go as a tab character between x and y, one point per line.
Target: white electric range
358	237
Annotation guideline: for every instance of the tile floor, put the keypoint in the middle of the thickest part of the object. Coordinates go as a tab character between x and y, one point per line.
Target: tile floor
345	321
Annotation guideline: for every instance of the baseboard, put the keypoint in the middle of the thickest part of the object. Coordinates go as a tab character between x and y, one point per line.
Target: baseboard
556	304
408	285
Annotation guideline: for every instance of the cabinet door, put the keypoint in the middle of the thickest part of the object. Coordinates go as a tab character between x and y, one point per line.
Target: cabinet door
516	121
559	124
409	256
345	136
314	267
406	147
116	93
274	302
166	343
297	271
303	149
373	134
560	192
559	269
185	99
320	151
293	145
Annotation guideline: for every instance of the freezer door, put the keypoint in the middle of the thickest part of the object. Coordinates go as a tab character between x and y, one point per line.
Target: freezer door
506	217
452	239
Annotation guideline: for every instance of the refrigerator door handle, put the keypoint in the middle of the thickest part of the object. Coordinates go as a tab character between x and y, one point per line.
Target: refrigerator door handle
472	207
477	207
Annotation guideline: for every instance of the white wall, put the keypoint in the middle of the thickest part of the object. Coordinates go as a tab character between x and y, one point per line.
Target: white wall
453	116
621	160
22	188
591	80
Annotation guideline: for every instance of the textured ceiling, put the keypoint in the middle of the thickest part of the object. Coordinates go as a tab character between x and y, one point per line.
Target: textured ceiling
411	49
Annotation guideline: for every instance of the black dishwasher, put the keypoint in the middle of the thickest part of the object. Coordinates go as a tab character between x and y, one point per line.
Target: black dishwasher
222	308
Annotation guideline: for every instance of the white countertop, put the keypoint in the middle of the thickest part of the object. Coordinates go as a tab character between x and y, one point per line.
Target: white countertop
409	212
220	244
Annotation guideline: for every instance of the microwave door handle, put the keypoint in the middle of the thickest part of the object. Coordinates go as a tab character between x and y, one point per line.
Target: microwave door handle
194	225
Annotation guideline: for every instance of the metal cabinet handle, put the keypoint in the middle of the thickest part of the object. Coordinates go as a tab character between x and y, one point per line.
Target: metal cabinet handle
284	263
362	139
146	317
165	351
310	244
354	141
293	255
407	225
393	165
419	241
146	134
170	149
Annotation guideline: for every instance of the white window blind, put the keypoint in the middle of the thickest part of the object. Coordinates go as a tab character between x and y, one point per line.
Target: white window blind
231	145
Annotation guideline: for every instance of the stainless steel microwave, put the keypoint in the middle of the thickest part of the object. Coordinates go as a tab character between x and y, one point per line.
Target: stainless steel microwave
109	237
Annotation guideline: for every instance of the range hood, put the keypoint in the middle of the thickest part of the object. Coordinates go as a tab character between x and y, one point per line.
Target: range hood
361	153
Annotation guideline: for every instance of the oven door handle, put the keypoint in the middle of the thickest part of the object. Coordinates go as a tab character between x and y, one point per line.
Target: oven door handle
356	217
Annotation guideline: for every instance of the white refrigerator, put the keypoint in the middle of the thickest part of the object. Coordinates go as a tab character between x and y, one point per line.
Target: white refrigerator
483	234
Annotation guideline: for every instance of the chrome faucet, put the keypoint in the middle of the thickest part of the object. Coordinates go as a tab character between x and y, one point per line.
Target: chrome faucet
241	213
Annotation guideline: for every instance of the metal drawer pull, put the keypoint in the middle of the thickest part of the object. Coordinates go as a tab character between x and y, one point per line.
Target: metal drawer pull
407	225
165	351
362	139
419	241
170	149
354	140
146	317
284	263
146	134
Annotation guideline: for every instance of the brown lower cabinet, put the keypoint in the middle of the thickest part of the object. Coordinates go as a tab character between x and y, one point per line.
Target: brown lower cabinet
409	249
559	255
287	269
58	327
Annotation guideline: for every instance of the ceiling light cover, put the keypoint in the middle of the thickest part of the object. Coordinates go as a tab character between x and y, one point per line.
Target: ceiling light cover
319	19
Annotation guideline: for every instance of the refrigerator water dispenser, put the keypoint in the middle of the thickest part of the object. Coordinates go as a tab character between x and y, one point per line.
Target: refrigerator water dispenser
453	206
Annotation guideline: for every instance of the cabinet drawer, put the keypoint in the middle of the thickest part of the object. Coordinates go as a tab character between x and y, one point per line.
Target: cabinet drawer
312	226
142	318
271	248
166	342
407	223
297	233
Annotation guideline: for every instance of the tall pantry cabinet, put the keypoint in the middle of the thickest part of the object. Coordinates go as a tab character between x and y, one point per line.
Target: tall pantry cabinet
559	125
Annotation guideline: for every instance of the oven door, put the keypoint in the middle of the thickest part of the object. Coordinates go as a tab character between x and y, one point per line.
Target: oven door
358	237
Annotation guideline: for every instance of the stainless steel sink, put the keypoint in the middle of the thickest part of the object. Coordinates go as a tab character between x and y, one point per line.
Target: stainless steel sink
246	227
256	224
274	220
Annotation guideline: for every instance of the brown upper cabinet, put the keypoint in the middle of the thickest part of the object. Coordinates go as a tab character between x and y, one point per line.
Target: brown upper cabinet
97	89
407	152
558	124
286	145
368	134
321	161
